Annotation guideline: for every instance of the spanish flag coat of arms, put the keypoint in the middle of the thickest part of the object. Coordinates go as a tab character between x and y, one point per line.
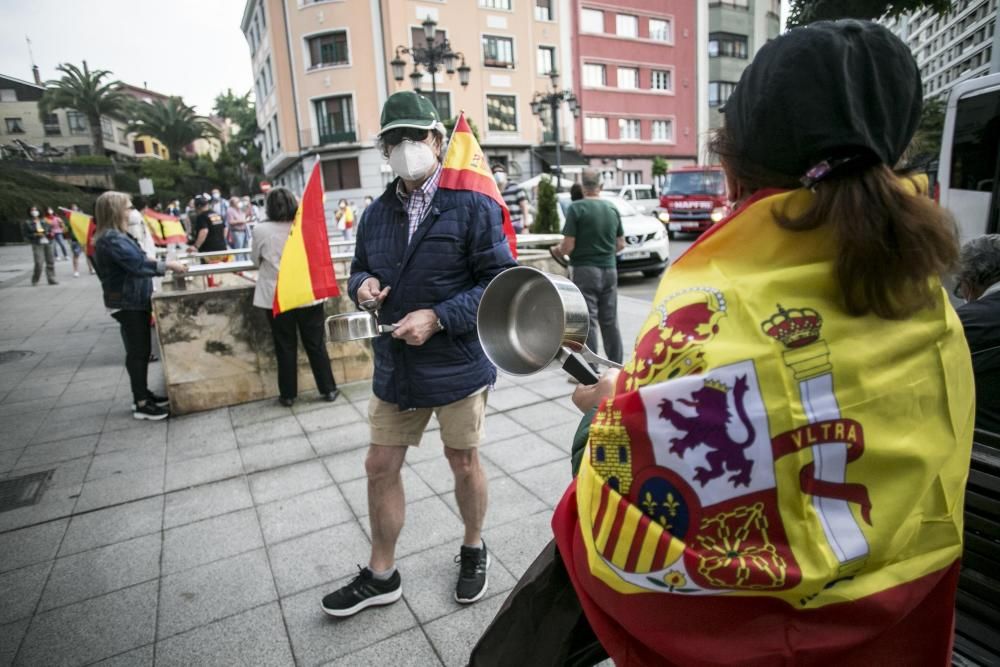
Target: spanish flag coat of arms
774	481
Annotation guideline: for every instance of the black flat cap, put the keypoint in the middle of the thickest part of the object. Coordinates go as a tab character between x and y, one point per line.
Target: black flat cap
827	90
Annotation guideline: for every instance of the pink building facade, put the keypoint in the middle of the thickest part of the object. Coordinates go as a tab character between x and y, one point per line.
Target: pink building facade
635	74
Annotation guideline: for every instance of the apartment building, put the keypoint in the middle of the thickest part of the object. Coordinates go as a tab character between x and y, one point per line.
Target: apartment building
637	83
63	129
322	72
951	47
737	29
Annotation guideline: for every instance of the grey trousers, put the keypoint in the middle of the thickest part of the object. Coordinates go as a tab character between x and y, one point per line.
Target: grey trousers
43	255
600	289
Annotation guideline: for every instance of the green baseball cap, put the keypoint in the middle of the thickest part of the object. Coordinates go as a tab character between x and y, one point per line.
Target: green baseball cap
408	109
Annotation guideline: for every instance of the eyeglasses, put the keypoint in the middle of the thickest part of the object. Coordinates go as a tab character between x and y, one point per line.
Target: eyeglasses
398	134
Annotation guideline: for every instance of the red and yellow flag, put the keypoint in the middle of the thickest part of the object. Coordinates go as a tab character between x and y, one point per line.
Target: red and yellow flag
306	271
774	480
164	228
83	228
466	168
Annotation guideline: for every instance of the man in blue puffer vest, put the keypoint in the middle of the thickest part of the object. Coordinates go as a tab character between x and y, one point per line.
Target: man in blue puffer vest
425	255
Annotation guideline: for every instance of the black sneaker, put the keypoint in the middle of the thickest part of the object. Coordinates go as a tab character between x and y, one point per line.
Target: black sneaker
332	396
161	401
472	583
149	411
364	591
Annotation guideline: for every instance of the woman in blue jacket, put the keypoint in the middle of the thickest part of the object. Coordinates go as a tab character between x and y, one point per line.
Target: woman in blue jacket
126	278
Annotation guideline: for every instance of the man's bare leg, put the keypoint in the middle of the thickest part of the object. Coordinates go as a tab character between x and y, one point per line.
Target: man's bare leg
470	491
386	503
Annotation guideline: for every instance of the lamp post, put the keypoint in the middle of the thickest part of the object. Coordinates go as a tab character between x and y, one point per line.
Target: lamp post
432	57
553	101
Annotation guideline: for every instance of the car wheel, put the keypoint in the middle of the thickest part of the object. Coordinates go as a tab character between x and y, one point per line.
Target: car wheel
652	273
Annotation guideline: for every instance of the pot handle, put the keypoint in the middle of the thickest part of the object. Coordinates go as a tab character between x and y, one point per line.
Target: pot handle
589	355
387	328
574	364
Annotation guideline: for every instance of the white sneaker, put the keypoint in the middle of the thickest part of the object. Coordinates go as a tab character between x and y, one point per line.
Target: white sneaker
76	274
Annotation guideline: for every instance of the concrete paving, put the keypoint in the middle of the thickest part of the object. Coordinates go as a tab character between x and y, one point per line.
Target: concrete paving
209	539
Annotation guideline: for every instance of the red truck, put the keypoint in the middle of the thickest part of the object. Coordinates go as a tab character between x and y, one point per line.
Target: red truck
693	199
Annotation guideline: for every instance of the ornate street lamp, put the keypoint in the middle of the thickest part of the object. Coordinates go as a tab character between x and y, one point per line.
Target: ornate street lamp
553	101
434	56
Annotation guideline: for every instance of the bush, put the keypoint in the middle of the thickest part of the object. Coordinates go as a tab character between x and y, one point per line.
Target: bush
20	189
547	218
91	161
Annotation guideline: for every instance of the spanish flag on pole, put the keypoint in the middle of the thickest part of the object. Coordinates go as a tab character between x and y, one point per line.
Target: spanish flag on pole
306	271
465	168
164	228
774	481
83	228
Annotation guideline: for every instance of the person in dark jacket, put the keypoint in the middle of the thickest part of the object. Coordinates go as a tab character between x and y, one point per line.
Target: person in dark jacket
979	285
126	275
424	255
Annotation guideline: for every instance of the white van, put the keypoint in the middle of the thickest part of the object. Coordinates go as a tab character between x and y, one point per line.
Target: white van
969	168
643	197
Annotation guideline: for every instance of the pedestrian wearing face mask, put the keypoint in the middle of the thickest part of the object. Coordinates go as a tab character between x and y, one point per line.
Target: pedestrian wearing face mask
236	223
38	232
515	197
424	255
345	218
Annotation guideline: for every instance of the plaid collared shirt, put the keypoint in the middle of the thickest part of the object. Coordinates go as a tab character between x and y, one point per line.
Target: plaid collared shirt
418	202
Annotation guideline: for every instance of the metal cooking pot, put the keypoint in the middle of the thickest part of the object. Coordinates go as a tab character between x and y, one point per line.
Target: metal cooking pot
356	326
528	318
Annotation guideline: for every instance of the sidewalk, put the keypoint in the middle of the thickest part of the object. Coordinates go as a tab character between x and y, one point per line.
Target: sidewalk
210	539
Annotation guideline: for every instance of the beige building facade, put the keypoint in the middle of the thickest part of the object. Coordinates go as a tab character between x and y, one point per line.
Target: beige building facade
322	73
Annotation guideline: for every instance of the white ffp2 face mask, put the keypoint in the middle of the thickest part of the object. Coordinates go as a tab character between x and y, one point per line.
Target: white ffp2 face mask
412	160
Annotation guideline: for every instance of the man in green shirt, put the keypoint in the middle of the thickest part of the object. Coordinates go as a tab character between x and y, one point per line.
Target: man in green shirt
593	235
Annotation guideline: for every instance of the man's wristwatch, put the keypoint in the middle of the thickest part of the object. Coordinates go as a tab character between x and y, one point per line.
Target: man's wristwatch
440	326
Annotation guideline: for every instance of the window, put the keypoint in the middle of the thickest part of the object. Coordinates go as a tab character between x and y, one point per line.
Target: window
594	75
14	126
663	130
592	20
628	128
495	4
442	102
77	122
417	37
543	10
660	30
107	129
341	174
334	119
595	128
629	178
627	25
8	95
329	49
501	113
139	147
628	77
719	92
123	136
974	153
546	59
661	79
727	45
51	123
498	51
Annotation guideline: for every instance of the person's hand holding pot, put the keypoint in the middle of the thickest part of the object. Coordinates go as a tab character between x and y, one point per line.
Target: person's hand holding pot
590	396
371	289
416	327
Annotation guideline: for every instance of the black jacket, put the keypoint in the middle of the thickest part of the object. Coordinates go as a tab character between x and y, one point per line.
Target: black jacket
125	271
981	320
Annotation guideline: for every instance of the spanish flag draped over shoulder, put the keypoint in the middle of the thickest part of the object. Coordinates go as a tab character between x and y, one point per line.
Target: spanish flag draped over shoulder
465	168
774	482
83	228
164	228
306	271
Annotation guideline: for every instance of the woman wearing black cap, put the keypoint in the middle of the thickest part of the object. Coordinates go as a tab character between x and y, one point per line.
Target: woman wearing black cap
776	476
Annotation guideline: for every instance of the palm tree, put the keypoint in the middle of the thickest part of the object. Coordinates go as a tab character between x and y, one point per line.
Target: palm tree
174	123
88	93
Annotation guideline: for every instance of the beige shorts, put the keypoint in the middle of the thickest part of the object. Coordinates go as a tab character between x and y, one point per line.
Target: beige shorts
463	423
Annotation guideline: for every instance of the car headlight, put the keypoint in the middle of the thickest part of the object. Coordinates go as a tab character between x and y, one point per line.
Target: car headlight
663	216
719	213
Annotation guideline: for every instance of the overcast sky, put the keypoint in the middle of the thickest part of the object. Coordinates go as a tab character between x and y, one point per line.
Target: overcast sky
191	48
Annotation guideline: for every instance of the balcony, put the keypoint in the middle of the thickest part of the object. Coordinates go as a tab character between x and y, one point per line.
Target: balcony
344	137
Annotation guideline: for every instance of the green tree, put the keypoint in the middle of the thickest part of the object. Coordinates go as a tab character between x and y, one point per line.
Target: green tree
87	92
807	11
449	126
240	160
547	217
174	123
660	166
926	143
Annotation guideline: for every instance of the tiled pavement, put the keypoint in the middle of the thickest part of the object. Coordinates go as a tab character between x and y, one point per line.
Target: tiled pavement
210	539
